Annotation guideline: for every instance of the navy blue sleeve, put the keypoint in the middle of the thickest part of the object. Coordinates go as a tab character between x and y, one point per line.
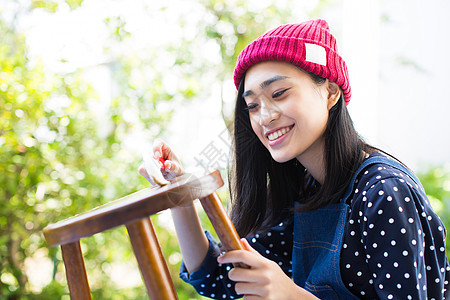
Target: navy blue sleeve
211	278
395	246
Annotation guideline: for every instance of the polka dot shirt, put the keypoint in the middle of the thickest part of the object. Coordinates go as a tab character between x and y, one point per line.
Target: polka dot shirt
395	244
211	279
393	247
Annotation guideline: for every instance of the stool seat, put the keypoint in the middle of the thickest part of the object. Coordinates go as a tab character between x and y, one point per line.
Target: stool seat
132	207
133	211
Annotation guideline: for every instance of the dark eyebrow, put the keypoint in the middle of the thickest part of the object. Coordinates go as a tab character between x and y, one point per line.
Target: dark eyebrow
265	84
269	81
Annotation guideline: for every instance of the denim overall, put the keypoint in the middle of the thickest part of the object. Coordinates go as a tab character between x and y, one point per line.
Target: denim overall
318	239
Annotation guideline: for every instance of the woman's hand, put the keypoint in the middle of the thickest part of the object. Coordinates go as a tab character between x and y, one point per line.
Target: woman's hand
171	167
264	279
191	237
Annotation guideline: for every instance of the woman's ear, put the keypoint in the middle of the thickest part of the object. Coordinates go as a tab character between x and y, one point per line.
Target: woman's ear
334	93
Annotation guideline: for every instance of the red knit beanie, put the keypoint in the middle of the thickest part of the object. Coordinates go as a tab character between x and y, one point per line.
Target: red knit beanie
308	45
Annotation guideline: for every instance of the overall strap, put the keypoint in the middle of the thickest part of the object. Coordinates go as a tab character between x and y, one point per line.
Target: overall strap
376	160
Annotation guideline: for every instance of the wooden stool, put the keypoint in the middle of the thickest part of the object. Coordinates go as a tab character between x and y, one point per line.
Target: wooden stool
133	211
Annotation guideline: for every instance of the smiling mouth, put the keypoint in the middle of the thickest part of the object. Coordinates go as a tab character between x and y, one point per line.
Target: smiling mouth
279	133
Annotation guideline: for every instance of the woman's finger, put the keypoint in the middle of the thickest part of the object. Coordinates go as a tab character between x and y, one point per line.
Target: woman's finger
161	149
172	169
173	166
251	297
243	275
247	289
246	257
247	246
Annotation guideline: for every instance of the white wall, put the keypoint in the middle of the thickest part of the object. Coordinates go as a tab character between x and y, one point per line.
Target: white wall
401	103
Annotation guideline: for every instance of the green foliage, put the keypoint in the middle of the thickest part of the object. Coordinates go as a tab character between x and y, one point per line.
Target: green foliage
52	5
436	182
55	164
60	156
233	25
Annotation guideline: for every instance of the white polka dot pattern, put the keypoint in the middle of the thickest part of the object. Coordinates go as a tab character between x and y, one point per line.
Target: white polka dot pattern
398	233
393	248
211	279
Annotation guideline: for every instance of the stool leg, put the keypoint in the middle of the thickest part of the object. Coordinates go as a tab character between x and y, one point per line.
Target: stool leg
75	271
151	260
222	224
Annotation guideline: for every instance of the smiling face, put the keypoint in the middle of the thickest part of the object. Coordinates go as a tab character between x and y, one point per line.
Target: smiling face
288	111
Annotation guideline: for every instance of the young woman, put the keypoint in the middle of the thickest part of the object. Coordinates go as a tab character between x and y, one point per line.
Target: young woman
324	214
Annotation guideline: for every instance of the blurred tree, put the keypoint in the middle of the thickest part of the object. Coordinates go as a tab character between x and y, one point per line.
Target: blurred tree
233	25
60	156
53	163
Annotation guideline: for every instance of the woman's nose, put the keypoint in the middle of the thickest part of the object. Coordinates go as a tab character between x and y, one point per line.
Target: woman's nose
268	113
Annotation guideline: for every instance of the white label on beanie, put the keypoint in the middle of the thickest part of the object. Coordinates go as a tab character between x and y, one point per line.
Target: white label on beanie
316	54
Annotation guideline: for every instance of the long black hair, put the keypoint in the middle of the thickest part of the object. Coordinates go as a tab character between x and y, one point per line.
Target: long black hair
263	191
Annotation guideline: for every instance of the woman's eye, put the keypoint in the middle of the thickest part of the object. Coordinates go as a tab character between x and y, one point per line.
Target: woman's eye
279	93
251	107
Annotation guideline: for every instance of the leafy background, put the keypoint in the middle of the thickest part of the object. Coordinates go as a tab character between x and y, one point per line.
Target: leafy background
59	157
